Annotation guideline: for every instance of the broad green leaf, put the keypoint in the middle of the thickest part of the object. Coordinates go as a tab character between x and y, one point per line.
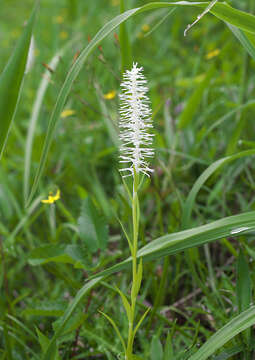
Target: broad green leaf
46	308
44	343
156	350
194	101
70	254
92	227
223	11
189	203
43	340
11	81
226	333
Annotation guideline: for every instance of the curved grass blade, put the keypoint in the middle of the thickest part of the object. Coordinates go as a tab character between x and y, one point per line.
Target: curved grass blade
226	333
189	204
244	39
11	81
36	111
223	11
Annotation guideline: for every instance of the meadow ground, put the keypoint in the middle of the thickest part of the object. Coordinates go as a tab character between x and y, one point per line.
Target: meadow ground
197	280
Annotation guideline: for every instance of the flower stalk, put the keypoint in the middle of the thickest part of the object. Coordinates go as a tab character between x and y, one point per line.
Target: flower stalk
135	124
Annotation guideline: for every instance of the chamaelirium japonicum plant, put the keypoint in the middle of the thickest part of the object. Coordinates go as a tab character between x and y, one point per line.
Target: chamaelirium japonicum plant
135	124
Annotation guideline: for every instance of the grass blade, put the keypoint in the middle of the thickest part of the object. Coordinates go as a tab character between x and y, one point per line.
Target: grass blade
195	100
226	333
189	204
244	39
11	81
35	114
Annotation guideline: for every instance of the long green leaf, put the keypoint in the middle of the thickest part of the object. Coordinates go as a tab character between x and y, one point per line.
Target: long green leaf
36	111
244	39
177	242
223	11
11	81
189	204
226	333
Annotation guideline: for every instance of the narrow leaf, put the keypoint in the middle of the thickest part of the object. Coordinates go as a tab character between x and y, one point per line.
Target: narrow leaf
226	333
115	328
125	304
11	81
156	350
194	101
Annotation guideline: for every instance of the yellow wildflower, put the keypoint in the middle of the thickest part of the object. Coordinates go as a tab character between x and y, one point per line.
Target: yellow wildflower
52	198
67	112
110	95
115	2
58	19
63	35
146	28
212	54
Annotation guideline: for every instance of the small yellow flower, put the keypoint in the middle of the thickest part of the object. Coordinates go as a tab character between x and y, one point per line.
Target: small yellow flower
115	2
146	28
52	198
110	95
63	35
212	54
67	112
15	33
58	19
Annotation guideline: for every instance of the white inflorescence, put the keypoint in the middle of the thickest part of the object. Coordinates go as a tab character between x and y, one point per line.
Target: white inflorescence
135	122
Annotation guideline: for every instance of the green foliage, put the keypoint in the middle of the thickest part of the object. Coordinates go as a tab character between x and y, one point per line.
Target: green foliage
61	263
92	227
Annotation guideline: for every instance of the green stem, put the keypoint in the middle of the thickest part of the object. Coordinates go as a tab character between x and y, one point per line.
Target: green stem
134	288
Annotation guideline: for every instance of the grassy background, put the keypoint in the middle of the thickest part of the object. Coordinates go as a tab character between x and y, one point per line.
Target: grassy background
193	293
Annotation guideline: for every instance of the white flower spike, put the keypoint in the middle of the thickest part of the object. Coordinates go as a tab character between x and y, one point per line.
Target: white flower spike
135	122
